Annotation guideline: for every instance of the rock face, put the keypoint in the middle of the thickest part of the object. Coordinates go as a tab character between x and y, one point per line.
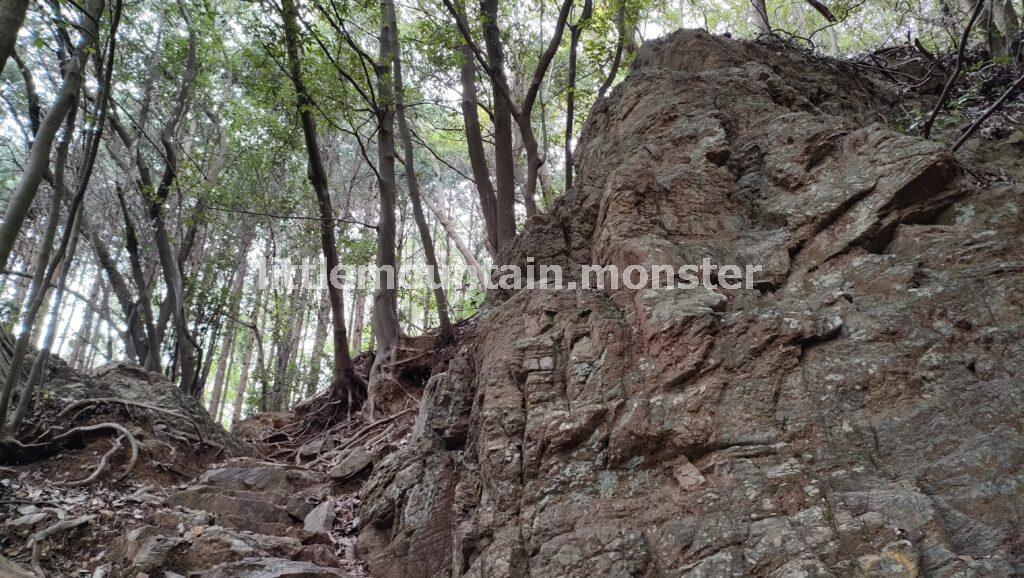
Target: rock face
858	412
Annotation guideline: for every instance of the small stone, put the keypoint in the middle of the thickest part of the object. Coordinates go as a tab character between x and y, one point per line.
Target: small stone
299	507
320	521
28	520
353	463
688	476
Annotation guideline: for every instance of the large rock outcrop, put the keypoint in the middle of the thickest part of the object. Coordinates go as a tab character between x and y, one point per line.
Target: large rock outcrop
859	412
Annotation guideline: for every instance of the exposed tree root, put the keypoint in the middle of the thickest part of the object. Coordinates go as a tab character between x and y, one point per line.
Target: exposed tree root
36	540
49	442
354	438
106	457
10	569
27	452
99	468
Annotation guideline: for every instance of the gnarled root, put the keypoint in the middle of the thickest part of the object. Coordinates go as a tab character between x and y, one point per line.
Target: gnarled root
36	540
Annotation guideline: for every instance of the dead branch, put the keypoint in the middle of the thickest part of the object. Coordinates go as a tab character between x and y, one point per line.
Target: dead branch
36	540
995	106
947	90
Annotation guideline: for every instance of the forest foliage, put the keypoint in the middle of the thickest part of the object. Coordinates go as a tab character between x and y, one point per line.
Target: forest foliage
156	155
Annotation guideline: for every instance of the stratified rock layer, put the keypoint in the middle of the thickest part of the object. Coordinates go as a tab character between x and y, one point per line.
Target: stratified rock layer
858	412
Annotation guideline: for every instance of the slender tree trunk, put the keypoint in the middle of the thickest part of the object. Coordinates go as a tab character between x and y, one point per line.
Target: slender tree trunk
235	297
453	234
40	280
43	355
227	382
477	156
524	115
504	173
134	336
575	32
84	337
68	319
100	334
319	338
149	353
285	350
22	285
39	155
69	242
227	347
358	310
247	347
620	28
346	384
385	304
436	285
12	16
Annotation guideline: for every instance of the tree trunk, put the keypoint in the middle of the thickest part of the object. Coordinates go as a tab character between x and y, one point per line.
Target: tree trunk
84	337
63	339
436	285
759	15
39	155
40	280
319	337
43	355
504	172
134	336
237	283
285	350
247	346
148	352
620	28
385	303
358	310
525	113
346	384
464	250
65	254
477	155
216	394
227	382
12	16
100	334
570	95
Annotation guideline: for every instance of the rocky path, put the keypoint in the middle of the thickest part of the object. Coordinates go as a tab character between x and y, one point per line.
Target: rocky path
245	518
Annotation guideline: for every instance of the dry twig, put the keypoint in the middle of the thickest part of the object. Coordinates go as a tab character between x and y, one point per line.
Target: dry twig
36	540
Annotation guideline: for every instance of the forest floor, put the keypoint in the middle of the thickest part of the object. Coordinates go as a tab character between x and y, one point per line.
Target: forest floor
278	497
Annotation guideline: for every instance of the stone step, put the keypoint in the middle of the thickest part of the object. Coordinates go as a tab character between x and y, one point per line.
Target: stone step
272	568
255	475
246	518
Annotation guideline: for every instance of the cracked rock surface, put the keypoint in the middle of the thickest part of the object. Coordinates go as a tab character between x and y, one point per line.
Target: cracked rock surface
857	413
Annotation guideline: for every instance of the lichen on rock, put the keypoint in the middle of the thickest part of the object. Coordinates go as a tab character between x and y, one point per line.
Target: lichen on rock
851	414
